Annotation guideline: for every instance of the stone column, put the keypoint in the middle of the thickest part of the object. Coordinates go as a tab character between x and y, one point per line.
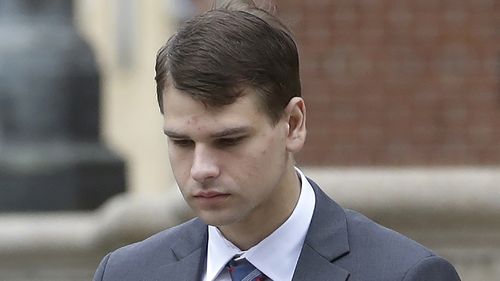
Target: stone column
51	156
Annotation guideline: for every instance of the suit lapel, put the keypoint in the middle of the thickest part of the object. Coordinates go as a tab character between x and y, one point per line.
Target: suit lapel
191	253
313	266
326	241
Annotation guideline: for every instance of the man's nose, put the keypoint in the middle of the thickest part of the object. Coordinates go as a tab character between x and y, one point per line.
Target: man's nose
204	164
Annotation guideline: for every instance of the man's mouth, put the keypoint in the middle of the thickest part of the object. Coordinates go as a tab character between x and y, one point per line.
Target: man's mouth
209	194
210	198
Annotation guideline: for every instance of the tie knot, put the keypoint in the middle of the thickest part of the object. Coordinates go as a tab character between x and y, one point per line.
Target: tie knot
243	270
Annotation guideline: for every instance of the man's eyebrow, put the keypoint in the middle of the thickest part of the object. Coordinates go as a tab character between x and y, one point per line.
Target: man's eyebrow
232	131
174	134
221	134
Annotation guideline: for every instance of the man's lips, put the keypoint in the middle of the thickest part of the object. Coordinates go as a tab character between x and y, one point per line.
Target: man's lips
209	194
210	199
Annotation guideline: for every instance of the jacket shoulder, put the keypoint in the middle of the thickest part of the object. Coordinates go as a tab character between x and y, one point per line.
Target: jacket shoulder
369	236
162	241
151	253
432	268
389	254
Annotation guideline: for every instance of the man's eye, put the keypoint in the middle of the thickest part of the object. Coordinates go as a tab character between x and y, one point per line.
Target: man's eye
183	143
225	142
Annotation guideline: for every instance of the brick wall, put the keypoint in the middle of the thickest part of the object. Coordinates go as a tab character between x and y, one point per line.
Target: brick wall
390	82
399	82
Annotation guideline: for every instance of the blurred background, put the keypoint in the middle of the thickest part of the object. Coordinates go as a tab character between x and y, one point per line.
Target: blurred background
403	124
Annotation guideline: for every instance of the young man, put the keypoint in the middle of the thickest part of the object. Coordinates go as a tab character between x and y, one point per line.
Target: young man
228	86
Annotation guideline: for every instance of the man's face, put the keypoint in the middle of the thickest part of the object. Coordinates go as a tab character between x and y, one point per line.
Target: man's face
229	162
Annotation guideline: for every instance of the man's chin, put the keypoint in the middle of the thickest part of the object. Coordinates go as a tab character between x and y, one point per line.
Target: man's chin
216	220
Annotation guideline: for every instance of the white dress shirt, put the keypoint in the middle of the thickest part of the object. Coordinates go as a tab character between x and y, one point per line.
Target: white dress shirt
277	255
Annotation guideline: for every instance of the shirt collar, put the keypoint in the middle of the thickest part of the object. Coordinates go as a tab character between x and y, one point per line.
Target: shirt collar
220	251
277	255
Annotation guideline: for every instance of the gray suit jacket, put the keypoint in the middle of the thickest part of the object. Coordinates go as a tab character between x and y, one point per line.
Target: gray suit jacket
340	245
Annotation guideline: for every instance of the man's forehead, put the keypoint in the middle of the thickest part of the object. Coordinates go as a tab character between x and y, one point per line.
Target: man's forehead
182	113
173	97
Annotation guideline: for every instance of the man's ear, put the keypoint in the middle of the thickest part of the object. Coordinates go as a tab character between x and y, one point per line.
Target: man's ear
295	118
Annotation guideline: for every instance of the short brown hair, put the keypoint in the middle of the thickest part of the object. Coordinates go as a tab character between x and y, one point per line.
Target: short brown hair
214	56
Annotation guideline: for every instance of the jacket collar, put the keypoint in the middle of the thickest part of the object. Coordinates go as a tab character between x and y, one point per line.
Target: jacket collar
326	241
190	251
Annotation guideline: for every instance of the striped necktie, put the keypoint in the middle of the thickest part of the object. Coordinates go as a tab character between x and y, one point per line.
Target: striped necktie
243	270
